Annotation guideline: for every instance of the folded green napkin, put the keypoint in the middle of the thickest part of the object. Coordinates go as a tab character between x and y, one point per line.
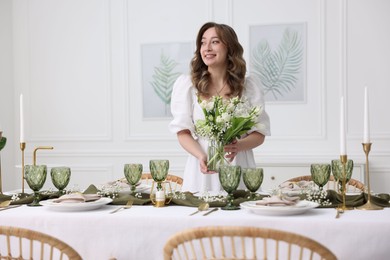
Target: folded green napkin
356	200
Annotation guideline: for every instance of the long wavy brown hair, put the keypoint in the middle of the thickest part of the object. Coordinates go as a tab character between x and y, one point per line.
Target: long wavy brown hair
236	67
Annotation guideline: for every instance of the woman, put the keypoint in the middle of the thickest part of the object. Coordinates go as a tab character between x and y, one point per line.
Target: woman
217	68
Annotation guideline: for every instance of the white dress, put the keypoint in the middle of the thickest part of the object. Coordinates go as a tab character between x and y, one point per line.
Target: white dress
186	110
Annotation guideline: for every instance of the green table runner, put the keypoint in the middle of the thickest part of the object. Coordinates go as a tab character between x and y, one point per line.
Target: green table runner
190	200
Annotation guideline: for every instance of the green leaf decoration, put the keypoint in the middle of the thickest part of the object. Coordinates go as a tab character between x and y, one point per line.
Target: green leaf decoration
3	141
278	70
164	77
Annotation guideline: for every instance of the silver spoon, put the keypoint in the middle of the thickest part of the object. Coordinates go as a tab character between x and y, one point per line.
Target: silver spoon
202	207
127	206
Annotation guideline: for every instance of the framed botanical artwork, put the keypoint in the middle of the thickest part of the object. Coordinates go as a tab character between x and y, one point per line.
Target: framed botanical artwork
278	58
162	64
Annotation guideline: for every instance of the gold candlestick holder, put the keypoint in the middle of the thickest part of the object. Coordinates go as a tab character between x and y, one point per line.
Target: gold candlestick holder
369	205
22	148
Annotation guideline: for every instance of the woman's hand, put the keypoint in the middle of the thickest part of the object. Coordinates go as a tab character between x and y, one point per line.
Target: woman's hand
203	165
251	141
231	150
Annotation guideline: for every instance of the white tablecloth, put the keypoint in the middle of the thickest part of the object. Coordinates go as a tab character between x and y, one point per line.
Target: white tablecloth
141	232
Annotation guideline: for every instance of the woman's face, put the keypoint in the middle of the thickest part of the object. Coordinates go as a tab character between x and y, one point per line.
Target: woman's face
212	50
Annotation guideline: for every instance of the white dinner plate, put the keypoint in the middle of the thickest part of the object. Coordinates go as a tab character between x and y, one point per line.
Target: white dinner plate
299	208
76	206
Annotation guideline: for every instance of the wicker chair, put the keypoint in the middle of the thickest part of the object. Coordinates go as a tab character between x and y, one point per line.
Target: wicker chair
176	181
235	242
20	243
352	186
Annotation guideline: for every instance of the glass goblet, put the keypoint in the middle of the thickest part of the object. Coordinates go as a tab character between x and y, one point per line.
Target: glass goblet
133	173
60	177
229	177
35	176
337	171
320	174
253	178
159	171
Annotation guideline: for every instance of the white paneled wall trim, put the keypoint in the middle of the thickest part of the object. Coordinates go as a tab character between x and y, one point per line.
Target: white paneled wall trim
79	65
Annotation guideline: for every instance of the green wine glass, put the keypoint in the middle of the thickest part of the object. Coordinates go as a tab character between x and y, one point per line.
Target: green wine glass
253	178
60	176
320	174
133	173
337	171
159	171
229	177
35	176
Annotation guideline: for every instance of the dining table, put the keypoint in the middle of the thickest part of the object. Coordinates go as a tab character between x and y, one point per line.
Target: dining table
141	231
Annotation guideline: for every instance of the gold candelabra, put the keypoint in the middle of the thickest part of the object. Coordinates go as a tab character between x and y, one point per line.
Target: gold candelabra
369	205
22	147
39	148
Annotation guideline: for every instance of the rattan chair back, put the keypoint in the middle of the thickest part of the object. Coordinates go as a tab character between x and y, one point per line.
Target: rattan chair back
352	186
234	242
176	181
20	243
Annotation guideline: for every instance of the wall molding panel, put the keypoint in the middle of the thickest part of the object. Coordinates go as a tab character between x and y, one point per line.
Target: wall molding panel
79	65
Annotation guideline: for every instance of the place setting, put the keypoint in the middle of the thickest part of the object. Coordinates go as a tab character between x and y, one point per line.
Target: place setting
60	177
279	203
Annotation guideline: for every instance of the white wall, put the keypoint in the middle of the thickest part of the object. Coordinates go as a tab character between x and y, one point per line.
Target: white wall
78	65
7	95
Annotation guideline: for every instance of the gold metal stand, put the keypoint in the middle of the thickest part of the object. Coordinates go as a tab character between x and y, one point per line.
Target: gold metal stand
22	147
40	148
161	187
369	205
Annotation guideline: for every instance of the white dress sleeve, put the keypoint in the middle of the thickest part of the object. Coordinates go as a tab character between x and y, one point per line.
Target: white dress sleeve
254	92
182	105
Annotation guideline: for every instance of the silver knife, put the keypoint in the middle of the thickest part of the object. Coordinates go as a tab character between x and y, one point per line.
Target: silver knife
10	207
211	211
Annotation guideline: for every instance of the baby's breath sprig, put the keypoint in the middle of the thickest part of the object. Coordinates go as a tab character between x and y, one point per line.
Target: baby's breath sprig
207	197
110	191
178	195
15	197
319	196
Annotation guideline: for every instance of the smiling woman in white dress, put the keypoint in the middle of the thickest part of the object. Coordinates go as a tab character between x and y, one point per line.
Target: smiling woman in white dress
217	68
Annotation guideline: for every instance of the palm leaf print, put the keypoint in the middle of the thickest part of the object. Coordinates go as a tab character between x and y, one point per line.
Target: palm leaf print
164	78
278	70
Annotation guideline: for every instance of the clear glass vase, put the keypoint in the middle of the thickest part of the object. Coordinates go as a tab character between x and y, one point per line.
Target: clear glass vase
215	155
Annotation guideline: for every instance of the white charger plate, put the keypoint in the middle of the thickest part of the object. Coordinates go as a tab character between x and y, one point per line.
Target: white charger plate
76	206
299	208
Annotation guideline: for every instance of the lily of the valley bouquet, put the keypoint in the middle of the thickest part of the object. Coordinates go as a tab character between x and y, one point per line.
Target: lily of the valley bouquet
225	121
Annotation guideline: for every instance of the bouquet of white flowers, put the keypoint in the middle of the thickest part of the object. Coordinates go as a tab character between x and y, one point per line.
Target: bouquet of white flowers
225	120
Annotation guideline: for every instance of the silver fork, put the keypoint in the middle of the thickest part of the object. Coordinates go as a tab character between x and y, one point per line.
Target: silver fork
127	206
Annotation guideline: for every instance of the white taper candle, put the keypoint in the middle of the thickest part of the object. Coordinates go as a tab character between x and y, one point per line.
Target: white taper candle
366	135
22	140
343	146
